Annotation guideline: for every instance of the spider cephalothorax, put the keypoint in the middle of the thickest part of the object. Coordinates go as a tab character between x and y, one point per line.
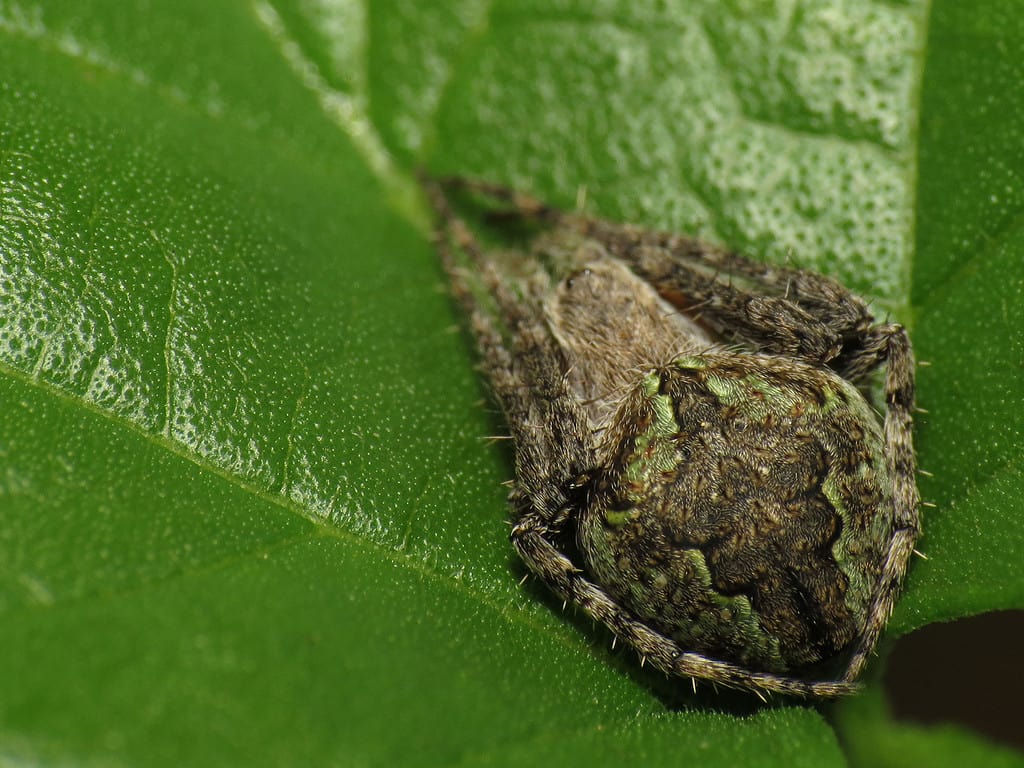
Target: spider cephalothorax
689	421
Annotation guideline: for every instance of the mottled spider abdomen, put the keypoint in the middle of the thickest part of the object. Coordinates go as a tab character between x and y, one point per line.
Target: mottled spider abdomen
746	511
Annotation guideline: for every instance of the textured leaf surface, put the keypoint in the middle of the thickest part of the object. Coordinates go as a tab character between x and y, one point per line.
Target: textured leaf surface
968	304
247	512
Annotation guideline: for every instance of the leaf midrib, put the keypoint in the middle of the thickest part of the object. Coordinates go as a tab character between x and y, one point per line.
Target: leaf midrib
321	527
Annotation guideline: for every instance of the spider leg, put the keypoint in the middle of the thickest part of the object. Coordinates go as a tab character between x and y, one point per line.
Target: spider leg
550	430
777	309
519	204
530	538
890	342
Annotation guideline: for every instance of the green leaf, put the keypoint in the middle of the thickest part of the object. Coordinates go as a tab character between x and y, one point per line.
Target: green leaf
968	305
248	513
873	739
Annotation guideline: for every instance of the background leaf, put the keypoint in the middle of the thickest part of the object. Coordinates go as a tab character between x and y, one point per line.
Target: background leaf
968	303
247	513
872	738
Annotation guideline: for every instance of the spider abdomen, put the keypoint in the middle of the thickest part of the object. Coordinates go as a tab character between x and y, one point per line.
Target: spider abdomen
744	511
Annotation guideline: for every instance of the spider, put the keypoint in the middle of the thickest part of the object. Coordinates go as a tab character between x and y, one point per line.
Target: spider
696	465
